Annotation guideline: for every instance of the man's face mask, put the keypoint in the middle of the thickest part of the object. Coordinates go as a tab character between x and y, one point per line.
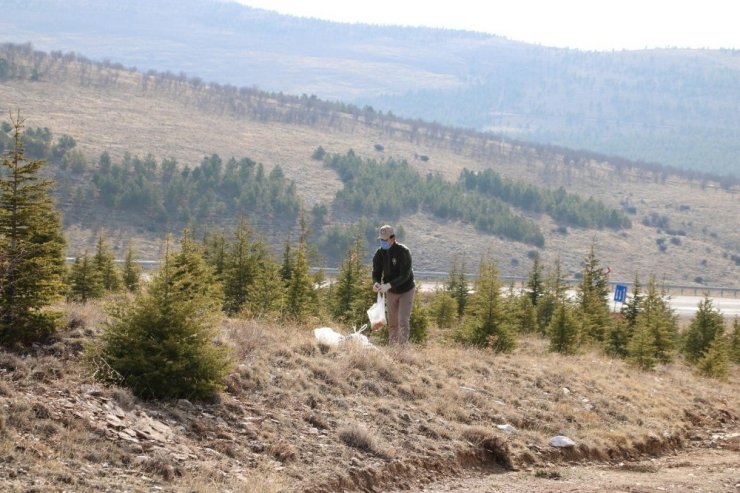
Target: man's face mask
385	245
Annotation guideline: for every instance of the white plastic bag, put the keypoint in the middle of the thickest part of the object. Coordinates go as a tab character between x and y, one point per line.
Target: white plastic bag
327	336
376	313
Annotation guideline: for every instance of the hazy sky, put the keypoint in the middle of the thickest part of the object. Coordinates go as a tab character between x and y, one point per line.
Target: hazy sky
582	24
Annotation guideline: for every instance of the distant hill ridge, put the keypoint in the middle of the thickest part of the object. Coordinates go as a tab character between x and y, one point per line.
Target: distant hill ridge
678	108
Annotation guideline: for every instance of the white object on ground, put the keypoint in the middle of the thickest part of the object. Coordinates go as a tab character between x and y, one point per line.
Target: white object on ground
562	441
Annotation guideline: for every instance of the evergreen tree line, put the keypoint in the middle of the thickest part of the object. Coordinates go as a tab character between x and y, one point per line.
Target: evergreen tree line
393	188
566	208
213	188
644	331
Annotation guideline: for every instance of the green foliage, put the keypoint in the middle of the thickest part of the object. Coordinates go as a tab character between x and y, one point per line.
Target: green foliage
457	284
419	320
553	295
444	309
485	322
522	315
535	282
734	346
593	306
105	264
213	189
641	348
706	326
31	247
240	266
131	275
352	295
393	188
268	295
565	208
85	281
563	330
715	361
301	298
162	345
656	319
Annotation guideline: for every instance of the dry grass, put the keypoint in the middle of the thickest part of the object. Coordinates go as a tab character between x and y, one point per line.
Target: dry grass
296	418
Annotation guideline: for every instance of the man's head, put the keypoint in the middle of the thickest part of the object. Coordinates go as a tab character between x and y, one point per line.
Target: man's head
386	233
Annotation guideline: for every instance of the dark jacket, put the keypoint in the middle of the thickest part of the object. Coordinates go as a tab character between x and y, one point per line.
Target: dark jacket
393	266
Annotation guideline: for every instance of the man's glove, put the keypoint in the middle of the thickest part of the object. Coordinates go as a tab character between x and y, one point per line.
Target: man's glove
385	287
376	287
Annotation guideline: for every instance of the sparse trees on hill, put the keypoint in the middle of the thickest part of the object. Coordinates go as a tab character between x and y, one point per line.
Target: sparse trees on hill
31	247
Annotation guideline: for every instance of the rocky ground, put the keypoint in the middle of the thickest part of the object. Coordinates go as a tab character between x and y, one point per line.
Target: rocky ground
298	416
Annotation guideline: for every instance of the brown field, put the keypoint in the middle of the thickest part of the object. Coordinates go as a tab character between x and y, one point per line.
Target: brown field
298	416
124	116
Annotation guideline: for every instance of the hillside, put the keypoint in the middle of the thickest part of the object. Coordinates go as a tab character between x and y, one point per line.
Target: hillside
671	106
683	230
298	416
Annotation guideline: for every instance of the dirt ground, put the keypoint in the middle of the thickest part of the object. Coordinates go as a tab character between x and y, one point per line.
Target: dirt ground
694	470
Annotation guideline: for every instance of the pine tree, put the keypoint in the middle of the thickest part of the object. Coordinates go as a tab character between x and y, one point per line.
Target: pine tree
419	320
715	361
734	348
162	344
444	309
593	307
301	298
31	247
554	293
707	325
268	296
214	244
105	264
563	330
457	285
131	275
657	318
522	314
351	294
631	307
286	270
641	347
485	323
621	330
239	269
85	282
535	283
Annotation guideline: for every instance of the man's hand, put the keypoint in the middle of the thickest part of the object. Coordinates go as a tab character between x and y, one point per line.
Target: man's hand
385	287
376	287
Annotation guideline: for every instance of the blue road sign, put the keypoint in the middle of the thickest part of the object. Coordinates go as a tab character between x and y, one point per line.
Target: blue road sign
620	293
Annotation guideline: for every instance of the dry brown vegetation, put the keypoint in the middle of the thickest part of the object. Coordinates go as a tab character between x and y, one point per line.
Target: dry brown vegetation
116	110
298	416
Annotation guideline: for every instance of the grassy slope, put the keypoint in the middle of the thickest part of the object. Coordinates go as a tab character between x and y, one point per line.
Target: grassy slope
297	416
123	117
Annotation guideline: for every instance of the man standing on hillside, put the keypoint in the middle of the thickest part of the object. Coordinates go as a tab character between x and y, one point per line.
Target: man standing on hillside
392	274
